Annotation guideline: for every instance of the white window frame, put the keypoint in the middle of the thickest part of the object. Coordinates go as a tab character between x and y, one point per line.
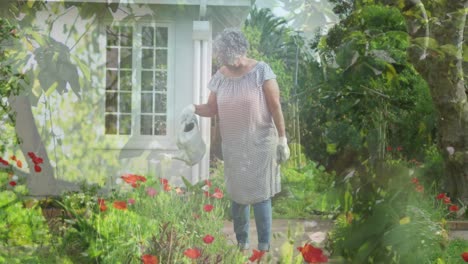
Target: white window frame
135	140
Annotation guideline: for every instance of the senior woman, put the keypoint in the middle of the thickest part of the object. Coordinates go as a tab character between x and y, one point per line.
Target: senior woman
245	96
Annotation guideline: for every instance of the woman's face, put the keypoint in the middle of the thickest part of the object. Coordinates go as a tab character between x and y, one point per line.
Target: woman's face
235	62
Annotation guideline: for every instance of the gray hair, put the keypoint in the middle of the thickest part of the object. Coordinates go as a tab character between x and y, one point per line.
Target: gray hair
229	45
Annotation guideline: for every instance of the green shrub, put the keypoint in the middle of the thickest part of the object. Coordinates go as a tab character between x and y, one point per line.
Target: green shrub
24	235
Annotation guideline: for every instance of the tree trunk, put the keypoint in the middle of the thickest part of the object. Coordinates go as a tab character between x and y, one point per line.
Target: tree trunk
40	183
444	74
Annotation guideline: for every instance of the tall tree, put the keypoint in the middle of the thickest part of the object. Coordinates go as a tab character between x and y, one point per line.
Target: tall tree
440	51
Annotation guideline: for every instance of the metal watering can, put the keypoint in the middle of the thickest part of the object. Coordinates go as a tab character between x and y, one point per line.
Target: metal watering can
190	142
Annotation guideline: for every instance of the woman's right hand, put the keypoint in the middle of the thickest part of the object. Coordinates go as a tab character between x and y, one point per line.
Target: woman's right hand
187	113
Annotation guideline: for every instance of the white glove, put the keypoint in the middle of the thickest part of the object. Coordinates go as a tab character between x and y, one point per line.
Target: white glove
187	113
282	150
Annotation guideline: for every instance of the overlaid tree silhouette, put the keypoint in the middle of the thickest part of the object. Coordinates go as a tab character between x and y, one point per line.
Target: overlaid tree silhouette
55	70
439	33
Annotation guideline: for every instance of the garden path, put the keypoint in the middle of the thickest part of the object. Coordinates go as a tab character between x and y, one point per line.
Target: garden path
301	231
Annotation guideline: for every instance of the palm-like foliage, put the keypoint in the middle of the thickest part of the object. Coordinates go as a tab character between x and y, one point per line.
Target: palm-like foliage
273	31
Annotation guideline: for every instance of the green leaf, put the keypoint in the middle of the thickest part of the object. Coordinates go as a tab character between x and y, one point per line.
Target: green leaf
83	67
465	52
383	55
51	89
36	88
390	72
426	42
187	183
331	148
38	38
450	49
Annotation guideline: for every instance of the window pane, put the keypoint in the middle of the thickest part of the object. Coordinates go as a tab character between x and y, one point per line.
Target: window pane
161	59
147	81
160	103
125	58
147	103
112	36
148	36
111	80
125	103
161	81
147	57
125	80
161	37
126	36
146	122
111	124
125	124
160	125
112	57
111	102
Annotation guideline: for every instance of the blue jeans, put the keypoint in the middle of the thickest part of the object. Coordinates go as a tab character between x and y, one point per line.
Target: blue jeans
241	219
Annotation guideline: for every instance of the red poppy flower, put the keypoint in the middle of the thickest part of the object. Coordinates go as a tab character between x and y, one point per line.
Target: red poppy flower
256	255
19	164
192	253
149	259
37	168
133	179
447	200
453	208
218	194
312	254
441	196
13	157
121	205
389	148
399	148
102	204
4	162
163	181
419	188
415	180
12	183
167	187
208	207
207	194
35	159
208	239
464	256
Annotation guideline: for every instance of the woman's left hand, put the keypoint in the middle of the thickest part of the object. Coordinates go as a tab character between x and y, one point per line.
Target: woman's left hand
282	150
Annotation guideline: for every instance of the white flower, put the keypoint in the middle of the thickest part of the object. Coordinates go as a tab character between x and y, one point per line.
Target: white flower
450	150
118	181
205	188
14	178
317	237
